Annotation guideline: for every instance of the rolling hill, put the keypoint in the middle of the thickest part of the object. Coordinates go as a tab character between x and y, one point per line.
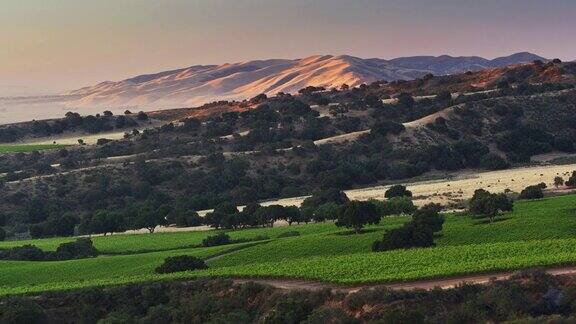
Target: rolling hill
200	84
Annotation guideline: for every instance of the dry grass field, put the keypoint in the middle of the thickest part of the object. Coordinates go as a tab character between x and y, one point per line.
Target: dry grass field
455	189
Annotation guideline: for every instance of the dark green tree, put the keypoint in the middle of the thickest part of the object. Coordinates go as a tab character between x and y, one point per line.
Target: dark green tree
397	191
488	204
571	182
149	217
558	181
531	192
419	232
222	216
356	214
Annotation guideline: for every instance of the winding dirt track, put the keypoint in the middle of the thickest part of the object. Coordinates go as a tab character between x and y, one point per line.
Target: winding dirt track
289	284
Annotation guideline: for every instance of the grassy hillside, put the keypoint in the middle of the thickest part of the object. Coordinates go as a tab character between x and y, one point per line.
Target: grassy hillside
262	149
537	233
127	244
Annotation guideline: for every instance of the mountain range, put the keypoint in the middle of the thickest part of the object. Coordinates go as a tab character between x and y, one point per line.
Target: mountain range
200	84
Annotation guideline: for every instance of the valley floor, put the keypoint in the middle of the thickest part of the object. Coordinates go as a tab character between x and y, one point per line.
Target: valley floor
537	233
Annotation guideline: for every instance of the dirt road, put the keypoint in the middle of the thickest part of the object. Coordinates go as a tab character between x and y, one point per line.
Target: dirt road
446	283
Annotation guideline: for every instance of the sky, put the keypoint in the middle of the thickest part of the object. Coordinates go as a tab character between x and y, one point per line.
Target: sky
49	46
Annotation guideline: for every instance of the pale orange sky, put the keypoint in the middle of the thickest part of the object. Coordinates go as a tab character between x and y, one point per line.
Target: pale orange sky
51	46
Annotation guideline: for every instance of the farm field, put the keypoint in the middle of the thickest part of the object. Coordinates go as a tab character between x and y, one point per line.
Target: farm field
536	233
138	243
29	147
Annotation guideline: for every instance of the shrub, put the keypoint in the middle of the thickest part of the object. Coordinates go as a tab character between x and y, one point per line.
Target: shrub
214	240
417	233
289	234
142	116
397	191
24	253
572	180
531	192
81	248
181	263
388	127
405	237
444	96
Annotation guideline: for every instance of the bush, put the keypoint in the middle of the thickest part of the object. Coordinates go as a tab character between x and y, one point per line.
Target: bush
288	234
571	181
80	249
2	234
405	237
397	191
388	127
417	233
181	263
214	240
532	192
23	253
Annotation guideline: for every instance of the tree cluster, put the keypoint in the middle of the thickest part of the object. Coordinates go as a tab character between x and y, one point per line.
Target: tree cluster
419	232
486	204
532	192
80	249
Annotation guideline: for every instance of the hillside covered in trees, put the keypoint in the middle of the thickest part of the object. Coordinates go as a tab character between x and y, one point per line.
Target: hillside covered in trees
291	145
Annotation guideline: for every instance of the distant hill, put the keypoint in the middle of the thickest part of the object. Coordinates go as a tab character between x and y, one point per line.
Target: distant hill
446	64
200	84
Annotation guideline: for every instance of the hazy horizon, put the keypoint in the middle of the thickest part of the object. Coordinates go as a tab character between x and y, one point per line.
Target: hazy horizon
64	45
